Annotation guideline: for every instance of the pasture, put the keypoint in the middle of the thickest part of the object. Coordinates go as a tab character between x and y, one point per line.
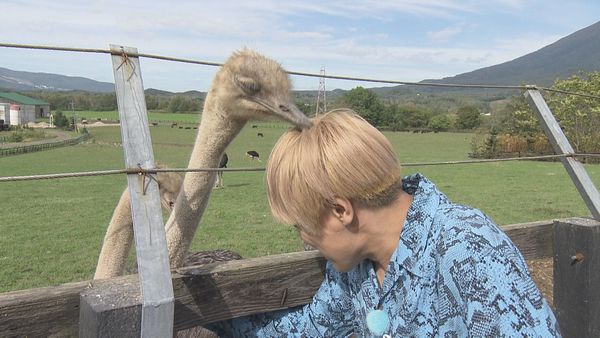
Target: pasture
93	116
52	230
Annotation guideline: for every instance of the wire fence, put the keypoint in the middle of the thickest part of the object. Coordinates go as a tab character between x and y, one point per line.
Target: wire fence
141	171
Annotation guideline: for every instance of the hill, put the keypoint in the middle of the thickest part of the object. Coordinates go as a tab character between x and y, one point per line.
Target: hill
28	81
576	52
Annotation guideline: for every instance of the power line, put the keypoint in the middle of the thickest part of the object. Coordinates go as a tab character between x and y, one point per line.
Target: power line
336	77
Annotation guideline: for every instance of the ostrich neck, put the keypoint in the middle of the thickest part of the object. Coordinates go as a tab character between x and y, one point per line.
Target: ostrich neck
215	133
217	129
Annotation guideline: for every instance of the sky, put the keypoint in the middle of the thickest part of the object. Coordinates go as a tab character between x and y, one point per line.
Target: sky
405	40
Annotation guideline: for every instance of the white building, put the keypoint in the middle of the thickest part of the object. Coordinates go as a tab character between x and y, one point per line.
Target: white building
17	109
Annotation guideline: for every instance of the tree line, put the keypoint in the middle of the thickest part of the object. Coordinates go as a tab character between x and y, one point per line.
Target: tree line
108	101
396	116
517	130
513	130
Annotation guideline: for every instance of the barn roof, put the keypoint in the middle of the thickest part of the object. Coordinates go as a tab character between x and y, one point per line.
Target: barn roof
22	99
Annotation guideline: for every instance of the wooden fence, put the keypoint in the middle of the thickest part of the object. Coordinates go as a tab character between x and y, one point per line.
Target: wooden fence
220	291
43	146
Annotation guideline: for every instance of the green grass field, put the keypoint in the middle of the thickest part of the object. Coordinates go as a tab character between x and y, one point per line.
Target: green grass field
52	230
93	116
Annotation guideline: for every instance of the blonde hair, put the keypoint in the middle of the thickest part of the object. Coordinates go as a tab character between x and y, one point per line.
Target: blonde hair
341	155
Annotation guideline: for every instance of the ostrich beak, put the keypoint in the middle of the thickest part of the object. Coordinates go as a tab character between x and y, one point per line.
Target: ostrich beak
287	112
292	114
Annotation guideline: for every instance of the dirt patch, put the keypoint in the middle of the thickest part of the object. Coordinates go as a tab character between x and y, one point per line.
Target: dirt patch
97	124
542	271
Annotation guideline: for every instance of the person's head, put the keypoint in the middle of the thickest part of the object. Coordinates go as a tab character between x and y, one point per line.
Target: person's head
340	156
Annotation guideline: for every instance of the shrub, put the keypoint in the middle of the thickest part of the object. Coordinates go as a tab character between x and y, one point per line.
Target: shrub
506	143
60	120
16	137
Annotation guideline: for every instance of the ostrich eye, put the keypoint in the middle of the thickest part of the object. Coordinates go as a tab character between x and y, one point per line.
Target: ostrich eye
248	85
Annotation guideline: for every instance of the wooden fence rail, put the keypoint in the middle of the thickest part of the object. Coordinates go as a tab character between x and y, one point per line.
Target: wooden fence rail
224	290
43	146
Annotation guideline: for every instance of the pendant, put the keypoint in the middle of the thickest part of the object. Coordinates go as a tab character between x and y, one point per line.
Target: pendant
378	322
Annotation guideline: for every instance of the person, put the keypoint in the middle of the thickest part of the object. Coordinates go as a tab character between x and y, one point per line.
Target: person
402	259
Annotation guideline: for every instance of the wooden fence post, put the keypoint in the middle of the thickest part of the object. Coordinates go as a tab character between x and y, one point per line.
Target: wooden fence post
150	241
577	277
561	145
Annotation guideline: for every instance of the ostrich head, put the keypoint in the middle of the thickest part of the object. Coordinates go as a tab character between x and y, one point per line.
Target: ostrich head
251	86
169	184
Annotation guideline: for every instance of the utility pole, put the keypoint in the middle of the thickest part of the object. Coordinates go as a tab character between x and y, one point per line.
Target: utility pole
322	96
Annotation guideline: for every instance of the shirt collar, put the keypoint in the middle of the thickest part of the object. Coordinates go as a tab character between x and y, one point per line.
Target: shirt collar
410	253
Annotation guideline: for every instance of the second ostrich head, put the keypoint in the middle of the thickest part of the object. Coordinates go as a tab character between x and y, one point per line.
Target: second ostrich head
169	184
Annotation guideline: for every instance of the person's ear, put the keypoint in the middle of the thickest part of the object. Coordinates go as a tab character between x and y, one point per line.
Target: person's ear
343	210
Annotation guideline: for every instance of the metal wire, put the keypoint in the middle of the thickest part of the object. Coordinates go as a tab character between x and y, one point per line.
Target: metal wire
337	77
141	171
167	58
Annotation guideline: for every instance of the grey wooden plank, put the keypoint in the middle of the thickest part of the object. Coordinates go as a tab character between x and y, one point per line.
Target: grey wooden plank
533	239
41	312
152	255
577	277
561	145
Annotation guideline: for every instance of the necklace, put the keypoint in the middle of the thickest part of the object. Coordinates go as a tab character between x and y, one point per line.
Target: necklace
378	321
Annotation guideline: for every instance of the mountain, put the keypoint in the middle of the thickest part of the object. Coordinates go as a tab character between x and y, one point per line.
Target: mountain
561	59
28	81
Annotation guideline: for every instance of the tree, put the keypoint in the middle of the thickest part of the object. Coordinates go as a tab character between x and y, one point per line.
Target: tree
175	104
60	120
578	116
366	103
305	107
468	117
440	122
415	117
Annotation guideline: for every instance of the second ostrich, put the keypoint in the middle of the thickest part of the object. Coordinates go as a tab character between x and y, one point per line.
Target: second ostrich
119	234
249	86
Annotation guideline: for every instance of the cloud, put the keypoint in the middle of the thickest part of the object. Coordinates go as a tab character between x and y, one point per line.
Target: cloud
445	33
357	38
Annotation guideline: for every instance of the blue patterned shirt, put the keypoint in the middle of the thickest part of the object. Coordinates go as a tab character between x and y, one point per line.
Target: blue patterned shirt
454	274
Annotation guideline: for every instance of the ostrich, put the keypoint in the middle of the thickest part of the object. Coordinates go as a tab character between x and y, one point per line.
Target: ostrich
248	86
119	234
253	154
222	164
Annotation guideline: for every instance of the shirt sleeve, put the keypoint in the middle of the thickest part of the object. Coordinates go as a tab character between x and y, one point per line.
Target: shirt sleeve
485	275
328	315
